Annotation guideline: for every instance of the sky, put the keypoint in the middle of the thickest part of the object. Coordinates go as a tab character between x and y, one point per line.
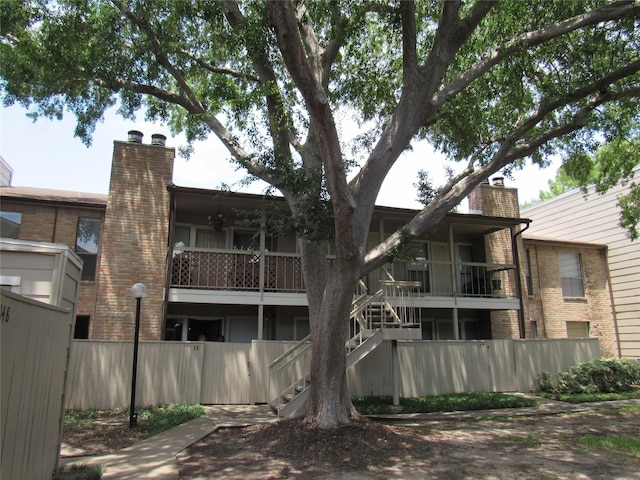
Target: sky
45	154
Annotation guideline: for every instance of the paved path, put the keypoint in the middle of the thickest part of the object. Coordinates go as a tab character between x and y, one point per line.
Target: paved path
155	457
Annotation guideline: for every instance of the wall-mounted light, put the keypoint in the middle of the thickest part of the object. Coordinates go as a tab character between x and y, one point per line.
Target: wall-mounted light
217	221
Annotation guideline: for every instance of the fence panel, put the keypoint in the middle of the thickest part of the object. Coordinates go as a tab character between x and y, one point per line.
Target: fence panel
35	341
373	375
536	356
237	373
266	385
225	373
100	375
168	372
433	367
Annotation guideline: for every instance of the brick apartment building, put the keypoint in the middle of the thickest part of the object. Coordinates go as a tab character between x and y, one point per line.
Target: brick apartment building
477	276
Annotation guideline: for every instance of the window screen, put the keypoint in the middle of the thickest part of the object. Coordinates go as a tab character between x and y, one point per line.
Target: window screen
87	242
571	274
10	224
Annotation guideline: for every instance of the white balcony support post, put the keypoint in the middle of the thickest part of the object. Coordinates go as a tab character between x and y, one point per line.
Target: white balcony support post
454	282
260	321
261	277
395	368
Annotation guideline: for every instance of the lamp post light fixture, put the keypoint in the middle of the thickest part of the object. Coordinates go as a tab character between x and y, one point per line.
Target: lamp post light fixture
139	291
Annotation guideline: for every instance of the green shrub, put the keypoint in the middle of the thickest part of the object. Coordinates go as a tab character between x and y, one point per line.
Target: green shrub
160	418
440	403
602	375
79	472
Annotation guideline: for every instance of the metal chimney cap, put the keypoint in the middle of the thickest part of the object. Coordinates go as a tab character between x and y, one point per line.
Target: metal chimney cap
498	181
158	139
135	136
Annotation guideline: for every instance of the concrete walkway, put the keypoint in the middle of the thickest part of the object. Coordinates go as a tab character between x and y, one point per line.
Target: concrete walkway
155	457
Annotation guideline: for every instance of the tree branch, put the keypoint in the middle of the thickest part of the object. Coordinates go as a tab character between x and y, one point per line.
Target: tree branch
409	42
276	111
160	54
222	71
308	81
512	148
614	11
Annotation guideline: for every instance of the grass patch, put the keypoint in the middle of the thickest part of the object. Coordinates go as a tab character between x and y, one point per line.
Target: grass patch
621	443
79	472
440	403
590	397
151	420
528	441
159	419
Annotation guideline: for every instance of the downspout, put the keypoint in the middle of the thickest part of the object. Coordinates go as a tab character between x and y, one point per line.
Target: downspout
516	255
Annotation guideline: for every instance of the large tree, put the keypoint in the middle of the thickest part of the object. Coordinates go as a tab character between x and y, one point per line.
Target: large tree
490	84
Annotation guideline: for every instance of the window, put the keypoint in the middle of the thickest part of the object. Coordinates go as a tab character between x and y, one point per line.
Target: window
208	238
87	241
534	330
182	237
571	274
527	273
10	224
82	327
577	329
418	270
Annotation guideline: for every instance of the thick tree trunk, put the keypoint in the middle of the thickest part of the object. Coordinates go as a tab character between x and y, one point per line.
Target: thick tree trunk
329	403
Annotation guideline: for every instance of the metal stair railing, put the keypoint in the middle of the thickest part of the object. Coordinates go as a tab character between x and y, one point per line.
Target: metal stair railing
391	306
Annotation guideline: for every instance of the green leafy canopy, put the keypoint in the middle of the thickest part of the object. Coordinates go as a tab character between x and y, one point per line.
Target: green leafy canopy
493	84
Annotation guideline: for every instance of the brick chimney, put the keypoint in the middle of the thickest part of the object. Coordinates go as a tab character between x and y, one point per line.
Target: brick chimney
135	239
494	200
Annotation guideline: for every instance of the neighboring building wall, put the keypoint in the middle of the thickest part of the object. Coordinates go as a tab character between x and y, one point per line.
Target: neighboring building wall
595	218
551	311
56	223
134	245
6	173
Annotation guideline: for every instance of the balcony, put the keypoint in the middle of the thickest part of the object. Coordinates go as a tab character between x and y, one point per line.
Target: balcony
250	271
236	270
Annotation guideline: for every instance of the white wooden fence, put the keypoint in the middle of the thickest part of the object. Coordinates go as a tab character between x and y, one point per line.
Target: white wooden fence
35	341
237	373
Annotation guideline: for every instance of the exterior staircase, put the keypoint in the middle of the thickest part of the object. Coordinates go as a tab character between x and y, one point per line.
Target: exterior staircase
385	315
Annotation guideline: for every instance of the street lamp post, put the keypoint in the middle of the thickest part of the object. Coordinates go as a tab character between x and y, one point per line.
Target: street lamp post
139	291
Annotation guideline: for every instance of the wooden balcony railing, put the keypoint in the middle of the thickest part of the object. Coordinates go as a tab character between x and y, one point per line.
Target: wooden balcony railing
236	270
243	270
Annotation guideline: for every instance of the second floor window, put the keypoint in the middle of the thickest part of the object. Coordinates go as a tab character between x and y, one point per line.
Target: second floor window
571	274
87	242
10	224
527	272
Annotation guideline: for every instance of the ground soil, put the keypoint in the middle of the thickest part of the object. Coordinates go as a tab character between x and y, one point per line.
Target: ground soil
535	447
528	447
108	432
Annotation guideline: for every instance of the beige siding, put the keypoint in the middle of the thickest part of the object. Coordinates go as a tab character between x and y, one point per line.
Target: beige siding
49	273
35	342
595	219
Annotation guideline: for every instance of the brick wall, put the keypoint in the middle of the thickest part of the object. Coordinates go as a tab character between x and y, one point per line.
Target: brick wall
499	201
57	223
134	242
551	311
